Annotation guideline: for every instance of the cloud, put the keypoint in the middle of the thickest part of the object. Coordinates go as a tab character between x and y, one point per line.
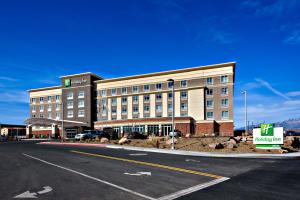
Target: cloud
272	89
217	36
293	93
274	8
6	78
293	38
14	97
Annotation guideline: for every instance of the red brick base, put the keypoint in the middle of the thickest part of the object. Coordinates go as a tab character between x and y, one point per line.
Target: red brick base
184	128
210	128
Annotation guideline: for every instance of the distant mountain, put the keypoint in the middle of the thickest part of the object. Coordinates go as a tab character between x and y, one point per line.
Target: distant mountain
286	124
289	124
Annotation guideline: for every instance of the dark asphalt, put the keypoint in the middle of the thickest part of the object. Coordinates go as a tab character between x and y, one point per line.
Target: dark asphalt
249	178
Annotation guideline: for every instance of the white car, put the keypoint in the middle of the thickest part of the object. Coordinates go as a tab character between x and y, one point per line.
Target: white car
176	134
80	136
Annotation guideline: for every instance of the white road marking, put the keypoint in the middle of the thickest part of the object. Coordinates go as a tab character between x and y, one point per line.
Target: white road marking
27	195
46	190
31	195
138	154
139	174
192	189
191	160
91	177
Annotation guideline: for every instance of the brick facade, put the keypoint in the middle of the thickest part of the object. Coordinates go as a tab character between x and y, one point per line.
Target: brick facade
226	129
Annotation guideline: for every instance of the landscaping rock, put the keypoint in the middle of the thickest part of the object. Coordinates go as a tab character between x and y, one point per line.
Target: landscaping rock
296	143
123	140
231	146
169	141
232	141
219	146
103	140
238	138
212	145
216	146
187	135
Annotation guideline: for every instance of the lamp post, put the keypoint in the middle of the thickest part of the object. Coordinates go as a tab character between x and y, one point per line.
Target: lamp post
173	128
245	97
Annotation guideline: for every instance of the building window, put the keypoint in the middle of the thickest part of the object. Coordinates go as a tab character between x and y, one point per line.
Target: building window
114	111
146	98
103	93
124	109
81	104
41	99
41	115
170	95
183	83
183	114
183	106
104	102
49	116
158	86
183	95
224	103
49	99
135	89
158	97
70	104
170	107
114	101
135	99
170	84
81	94
49	107
224	91
57	106
41	108
124	100
33	100
209	92
209	115
70	114
113	91
209	81
146	108
135	109
224	79
32	116
57	115
210	104
124	90
146	88
70	95
33	108
224	114
57	98
158	108
80	113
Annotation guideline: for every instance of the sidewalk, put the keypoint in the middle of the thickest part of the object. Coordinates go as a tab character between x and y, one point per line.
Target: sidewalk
180	152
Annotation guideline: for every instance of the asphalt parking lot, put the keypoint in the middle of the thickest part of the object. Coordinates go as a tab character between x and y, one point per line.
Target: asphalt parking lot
39	171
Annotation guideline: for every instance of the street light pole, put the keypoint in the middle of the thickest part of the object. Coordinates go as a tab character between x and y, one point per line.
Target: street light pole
62	122
245	97
173	128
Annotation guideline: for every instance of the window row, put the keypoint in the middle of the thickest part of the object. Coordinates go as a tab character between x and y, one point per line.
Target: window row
80	95
224	115
49	116
210	91
42	99
224	103
70	104
136	89
223	80
42	108
70	113
146	98
135	109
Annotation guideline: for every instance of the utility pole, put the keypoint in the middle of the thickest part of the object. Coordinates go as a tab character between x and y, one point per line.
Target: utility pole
246	120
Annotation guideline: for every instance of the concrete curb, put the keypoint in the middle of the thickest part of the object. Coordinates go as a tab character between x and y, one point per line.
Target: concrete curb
181	152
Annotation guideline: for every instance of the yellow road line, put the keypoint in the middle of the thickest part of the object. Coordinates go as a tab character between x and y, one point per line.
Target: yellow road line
150	164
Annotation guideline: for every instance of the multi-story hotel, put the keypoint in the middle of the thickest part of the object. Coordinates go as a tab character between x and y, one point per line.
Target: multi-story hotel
203	103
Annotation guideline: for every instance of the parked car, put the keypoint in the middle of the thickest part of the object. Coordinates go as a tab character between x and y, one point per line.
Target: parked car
177	133
100	134
136	135
84	135
3	138
110	132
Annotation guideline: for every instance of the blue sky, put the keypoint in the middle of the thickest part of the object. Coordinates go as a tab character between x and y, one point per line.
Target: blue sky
42	40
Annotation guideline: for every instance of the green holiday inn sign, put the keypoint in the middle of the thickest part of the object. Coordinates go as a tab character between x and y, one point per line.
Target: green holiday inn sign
267	136
67	82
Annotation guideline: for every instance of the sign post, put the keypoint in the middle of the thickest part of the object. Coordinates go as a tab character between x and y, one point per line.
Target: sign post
268	137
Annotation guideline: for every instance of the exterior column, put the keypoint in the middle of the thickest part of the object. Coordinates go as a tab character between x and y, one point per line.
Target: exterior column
28	131
159	129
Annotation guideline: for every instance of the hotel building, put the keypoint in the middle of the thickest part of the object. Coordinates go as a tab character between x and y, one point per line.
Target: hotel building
203	102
